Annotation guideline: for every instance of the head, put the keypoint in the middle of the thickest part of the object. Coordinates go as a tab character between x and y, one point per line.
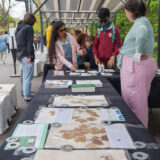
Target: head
29	18
104	16
52	23
1	32
6	32
89	41
59	30
135	9
81	40
76	33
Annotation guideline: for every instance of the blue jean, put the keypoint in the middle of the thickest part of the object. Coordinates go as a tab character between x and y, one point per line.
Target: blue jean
28	70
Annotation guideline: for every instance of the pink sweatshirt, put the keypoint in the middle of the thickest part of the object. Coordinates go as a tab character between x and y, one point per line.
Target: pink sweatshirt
61	55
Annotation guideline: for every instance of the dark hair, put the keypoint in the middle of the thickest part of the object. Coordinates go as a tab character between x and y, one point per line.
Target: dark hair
52	23
29	18
6	32
103	13
136	7
53	39
89	39
81	39
77	32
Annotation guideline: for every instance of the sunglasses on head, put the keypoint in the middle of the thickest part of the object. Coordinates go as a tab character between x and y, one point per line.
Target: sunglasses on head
62	30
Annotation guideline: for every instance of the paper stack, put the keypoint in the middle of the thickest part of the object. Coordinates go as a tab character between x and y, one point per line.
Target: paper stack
58	83
58	73
97	83
83	88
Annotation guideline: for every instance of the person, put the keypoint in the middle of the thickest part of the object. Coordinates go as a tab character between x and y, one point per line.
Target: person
76	33
3	47
13	48
63	48
107	40
89	40
81	41
25	52
7	40
137	67
48	33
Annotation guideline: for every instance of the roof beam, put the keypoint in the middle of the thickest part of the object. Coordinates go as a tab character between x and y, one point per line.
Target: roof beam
71	11
79	5
59	9
100	5
79	19
39	7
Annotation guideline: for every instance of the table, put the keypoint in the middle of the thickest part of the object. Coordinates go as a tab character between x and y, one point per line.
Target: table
42	97
8	104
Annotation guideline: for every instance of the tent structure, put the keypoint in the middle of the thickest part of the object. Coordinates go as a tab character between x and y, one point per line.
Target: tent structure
78	13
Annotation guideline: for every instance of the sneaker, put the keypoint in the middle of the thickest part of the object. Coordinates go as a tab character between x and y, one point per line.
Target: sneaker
27	99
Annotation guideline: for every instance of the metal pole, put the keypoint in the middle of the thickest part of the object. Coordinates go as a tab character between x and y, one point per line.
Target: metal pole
92	29
41	20
158	56
114	19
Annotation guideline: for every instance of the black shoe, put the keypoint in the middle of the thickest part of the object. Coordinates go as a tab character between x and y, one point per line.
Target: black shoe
28	99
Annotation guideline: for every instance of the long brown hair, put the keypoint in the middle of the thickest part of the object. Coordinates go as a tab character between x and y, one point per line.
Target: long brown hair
81	39
53	39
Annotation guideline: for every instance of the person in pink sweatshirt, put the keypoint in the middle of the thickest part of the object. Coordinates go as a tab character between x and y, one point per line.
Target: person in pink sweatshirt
63	48
107	40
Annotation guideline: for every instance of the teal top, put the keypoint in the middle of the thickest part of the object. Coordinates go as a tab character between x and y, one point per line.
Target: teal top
67	49
140	39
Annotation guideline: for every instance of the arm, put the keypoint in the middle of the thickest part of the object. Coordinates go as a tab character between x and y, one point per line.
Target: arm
141	38
30	50
95	46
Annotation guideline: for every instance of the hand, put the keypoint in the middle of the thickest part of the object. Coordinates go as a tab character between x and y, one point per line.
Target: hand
110	63
97	61
73	69
144	56
28	60
84	51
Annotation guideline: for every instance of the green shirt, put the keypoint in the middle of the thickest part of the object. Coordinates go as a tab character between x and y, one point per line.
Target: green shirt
140	39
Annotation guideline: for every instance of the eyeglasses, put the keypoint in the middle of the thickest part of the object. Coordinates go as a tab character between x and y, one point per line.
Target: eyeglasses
62	30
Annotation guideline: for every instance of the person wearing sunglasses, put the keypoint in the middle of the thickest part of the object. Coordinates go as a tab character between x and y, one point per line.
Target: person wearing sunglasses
107	40
63	48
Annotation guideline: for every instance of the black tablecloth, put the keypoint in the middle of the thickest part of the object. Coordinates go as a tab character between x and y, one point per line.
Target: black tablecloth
43	95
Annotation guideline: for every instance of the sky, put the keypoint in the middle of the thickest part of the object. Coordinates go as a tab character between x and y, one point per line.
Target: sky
18	10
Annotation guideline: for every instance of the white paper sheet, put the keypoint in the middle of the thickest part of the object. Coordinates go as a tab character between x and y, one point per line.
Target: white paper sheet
30	130
97	83
80	71
92	100
109	70
88	74
63	115
52	115
119	137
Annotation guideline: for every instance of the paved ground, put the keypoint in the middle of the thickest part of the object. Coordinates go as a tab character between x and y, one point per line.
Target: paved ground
7	69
